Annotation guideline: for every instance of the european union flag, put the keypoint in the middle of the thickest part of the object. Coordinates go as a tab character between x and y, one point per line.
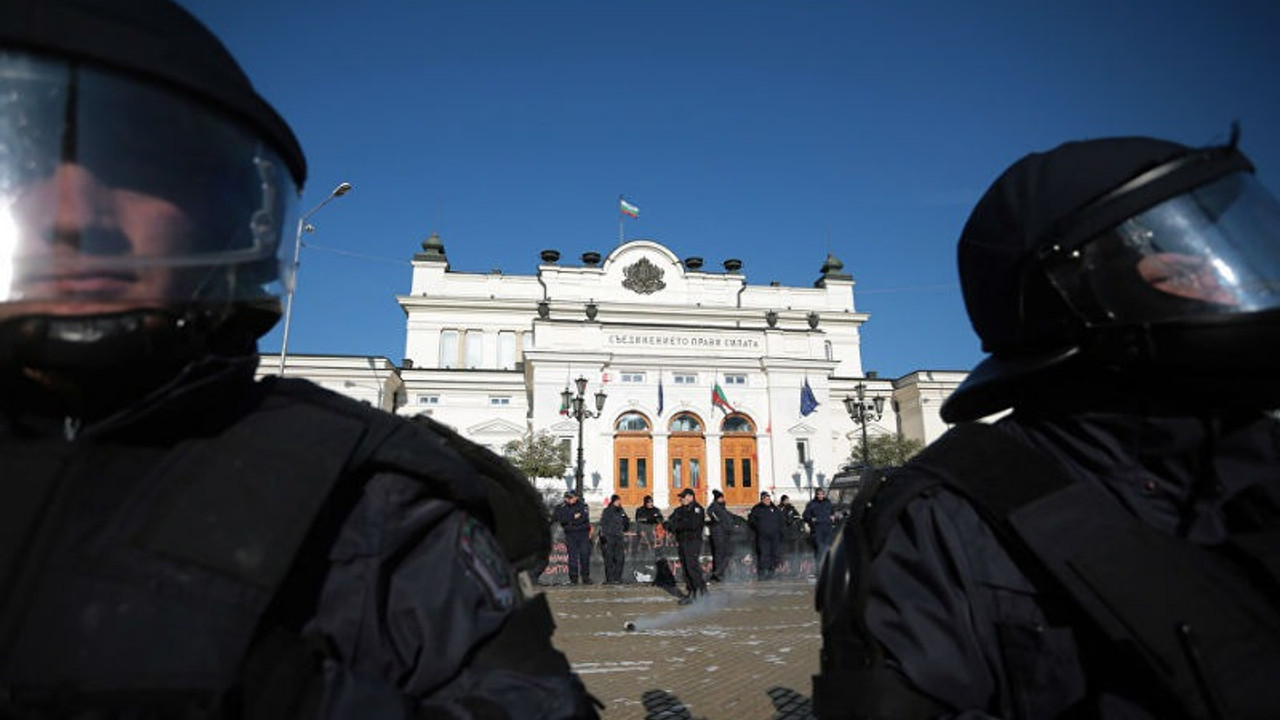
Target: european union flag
808	403
659	396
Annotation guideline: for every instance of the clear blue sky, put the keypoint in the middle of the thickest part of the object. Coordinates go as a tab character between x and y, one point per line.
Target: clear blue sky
772	131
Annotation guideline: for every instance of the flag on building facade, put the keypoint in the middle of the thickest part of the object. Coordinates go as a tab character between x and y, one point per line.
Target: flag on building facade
628	209
808	403
659	395
718	400
564	405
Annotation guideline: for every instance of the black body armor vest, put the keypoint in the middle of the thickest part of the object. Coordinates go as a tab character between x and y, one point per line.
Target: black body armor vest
170	580
1193	631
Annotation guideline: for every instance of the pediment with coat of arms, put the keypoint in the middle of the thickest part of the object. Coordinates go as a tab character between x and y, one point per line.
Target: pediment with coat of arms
643	277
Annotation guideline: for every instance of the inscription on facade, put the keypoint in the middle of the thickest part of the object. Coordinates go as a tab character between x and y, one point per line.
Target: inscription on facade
643	277
682	341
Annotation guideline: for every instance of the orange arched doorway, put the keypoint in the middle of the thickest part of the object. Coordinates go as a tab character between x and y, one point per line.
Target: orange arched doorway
687	457
633	458
740	478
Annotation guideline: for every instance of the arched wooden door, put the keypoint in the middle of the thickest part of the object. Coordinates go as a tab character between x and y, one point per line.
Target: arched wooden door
740	474
633	459
687	457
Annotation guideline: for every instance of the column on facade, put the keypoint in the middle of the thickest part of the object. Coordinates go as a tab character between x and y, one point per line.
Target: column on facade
715	466
764	450
661	476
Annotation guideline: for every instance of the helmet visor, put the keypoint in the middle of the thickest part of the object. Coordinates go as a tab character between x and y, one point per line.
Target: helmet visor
1212	250
118	194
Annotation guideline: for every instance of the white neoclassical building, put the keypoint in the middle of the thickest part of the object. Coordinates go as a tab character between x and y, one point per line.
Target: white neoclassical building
491	354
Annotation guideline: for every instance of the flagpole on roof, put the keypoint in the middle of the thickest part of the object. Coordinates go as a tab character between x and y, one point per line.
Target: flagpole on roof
625	210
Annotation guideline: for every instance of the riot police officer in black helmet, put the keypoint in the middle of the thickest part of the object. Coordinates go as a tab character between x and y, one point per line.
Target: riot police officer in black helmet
176	539
1106	549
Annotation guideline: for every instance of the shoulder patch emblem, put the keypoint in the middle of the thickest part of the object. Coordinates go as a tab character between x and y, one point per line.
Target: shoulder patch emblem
480	555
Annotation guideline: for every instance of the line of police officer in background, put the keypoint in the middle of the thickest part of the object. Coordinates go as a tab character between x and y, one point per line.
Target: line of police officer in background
772	527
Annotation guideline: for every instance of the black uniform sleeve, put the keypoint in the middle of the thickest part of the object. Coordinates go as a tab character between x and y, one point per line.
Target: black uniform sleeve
422	611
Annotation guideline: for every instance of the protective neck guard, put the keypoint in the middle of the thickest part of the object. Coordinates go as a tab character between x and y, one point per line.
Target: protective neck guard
90	366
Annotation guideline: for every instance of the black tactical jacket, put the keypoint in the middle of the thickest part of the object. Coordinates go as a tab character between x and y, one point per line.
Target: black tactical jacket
648	515
178	560
719	519
766	520
819	514
574	518
987	634
614	521
687	522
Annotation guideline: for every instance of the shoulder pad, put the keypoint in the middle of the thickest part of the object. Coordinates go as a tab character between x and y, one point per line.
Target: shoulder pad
433	453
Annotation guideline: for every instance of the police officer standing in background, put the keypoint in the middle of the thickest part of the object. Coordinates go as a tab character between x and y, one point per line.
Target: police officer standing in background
720	525
1108	550
793	528
766	520
648	518
819	514
177	539
575	520
613	524
687	522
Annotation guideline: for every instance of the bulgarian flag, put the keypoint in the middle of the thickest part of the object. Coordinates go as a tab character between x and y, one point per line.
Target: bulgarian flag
628	209
718	400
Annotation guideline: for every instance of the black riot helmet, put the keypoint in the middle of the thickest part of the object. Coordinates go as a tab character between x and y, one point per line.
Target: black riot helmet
1122	258
144	189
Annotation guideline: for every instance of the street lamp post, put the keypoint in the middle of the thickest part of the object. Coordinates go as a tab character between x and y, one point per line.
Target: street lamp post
339	191
577	405
863	411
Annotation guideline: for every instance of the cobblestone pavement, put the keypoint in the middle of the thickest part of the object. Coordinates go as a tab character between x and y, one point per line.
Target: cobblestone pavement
745	652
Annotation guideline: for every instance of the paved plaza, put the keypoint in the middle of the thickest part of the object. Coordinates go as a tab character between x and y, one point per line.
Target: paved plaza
746	652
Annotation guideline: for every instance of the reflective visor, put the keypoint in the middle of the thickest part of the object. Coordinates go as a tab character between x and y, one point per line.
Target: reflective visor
119	192
1212	250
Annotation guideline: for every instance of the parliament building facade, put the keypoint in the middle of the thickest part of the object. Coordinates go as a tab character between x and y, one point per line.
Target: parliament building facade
709	380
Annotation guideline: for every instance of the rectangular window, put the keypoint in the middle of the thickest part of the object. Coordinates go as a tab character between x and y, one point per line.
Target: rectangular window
566	450
428	399
624	472
684	379
695	473
746	472
642	473
729	480
448	348
499	399
735	379
474	350
632	377
506	350
677	474
802	452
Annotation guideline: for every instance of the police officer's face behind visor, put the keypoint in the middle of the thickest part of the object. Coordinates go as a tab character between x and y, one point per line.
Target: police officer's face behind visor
1186	276
118	195
1214	250
65	222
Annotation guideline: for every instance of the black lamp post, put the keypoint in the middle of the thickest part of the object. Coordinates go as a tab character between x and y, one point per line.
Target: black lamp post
578	411
863	411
